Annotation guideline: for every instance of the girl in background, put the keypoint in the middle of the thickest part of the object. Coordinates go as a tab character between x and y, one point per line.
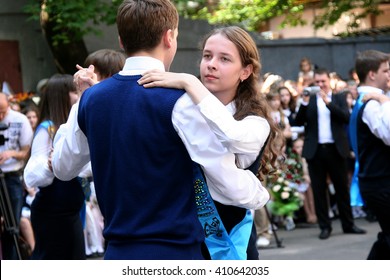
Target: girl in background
55	211
305	74
278	116
32	113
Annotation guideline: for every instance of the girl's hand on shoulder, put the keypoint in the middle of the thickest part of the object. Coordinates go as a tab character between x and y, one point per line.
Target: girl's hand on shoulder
158	78
381	98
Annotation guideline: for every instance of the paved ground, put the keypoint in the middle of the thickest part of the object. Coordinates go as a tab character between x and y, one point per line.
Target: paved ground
303	243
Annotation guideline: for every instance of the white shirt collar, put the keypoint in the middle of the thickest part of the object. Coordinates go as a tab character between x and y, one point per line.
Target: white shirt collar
370	89
137	65
231	107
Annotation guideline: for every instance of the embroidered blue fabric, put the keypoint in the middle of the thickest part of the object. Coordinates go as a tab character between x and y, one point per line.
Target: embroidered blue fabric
221	245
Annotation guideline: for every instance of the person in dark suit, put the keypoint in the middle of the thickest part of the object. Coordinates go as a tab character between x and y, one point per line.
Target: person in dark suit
326	148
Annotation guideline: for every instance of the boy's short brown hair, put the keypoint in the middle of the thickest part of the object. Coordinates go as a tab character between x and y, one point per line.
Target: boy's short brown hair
369	60
141	24
107	62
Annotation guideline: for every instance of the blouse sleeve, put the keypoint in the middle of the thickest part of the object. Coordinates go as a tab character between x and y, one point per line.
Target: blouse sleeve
246	136
37	172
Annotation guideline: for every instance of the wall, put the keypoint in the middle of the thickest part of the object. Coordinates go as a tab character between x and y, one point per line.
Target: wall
278	56
35	57
282	57
326	32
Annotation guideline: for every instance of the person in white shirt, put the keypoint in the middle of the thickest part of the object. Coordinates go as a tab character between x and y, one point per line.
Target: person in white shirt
15	142
370	123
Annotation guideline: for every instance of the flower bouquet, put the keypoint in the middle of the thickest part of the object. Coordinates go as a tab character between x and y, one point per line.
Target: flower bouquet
294	171
285	198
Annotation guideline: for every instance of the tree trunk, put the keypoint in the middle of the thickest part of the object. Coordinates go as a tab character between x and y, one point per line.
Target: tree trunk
66	55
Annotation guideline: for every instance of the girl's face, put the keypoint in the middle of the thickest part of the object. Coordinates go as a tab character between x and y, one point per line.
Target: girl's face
285	96
221	69
274	103
73	97
32	118
15	107
305	66
298	146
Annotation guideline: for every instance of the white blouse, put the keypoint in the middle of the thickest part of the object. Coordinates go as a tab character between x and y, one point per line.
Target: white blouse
37	172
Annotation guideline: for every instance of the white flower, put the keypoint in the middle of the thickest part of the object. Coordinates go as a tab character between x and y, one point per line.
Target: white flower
285	195
276	188
290	161
280	180
286	189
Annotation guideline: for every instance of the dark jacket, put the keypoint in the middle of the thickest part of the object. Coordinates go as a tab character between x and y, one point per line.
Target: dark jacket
307	116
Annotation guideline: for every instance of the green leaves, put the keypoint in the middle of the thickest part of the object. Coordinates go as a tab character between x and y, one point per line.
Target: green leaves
354	10
250	14
72	19
254	14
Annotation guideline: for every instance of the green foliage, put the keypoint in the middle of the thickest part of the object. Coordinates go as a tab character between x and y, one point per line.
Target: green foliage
253	14
333	10
189	9
72	19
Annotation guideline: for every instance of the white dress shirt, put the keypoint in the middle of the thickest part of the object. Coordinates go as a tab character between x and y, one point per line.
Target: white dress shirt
324	125
228	184
377	115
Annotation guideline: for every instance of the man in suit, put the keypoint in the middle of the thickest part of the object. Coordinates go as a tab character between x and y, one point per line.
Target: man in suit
326	148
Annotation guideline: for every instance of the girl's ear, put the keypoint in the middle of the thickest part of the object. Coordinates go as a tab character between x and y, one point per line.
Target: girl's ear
246	72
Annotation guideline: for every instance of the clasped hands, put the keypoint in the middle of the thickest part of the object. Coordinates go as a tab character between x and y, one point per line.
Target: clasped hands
84	78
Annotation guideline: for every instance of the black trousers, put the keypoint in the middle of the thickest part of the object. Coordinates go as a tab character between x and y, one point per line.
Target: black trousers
378	201
327	161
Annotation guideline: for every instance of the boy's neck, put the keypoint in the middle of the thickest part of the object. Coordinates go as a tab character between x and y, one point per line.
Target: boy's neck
155	53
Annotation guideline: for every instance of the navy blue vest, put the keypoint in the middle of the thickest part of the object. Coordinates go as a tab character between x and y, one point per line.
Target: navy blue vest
374	155
142	170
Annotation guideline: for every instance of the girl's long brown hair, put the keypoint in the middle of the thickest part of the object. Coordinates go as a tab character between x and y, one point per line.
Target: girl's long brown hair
55	100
